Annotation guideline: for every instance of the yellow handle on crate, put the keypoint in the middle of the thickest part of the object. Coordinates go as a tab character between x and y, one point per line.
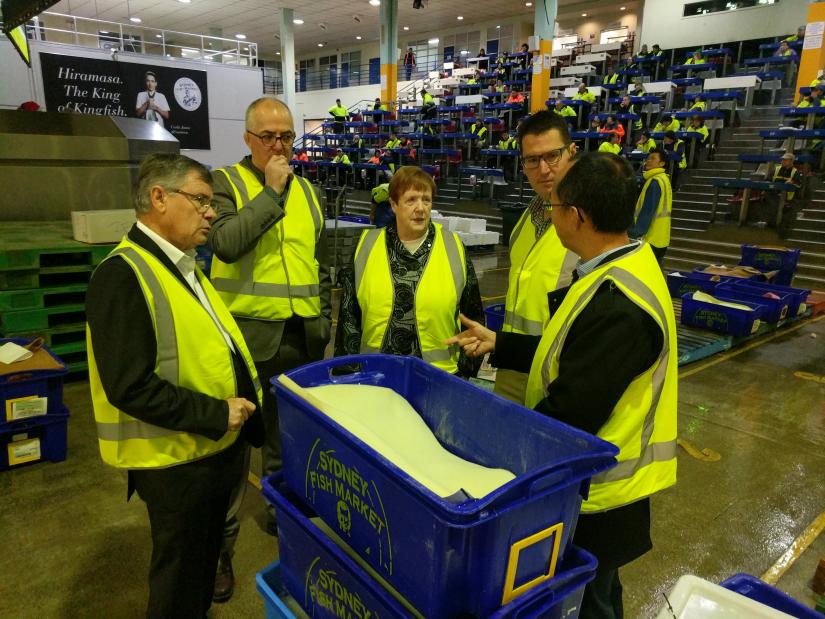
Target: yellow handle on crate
511	592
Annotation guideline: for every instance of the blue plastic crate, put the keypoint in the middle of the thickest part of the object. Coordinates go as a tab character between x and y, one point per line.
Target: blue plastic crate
444	557
759	591
34	439
727	320
770	258
327	583
495	316
39	383
356	219
798	295
683	282
269	585
775	309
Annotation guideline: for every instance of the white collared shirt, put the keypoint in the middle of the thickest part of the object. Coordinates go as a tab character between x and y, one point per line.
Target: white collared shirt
185	262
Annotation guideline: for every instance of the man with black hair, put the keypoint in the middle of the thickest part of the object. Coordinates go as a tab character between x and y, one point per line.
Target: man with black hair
654	205
151	104
606	363
674	146
538	262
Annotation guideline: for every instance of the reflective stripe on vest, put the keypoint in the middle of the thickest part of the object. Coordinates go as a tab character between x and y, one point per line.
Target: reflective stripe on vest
436	304
643	422
278	278
658	234
191	353
536	268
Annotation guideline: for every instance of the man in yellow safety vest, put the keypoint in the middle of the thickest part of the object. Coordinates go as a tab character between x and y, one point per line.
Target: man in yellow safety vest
654	205
617	315
270	267
538	261
174	387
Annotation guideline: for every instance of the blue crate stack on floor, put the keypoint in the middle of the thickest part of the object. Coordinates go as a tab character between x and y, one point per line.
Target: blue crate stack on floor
33	418
354	527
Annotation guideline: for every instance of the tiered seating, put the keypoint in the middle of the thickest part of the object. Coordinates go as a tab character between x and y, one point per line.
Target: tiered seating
446	136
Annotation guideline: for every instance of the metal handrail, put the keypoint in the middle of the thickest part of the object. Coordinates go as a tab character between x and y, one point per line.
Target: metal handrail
248	56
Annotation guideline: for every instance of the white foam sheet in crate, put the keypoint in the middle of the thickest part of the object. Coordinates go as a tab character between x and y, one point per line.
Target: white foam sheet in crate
386	422
695	598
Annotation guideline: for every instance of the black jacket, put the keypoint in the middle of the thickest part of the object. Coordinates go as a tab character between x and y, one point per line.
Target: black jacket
609	344
125	350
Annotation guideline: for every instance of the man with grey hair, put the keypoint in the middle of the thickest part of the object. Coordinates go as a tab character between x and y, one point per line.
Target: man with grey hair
173	384
270	267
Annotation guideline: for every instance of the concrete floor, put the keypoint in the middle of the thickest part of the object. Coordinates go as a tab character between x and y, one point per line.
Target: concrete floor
72	547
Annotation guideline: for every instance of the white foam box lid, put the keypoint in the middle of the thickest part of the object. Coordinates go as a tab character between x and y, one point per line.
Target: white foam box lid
471	224
103	226
695	598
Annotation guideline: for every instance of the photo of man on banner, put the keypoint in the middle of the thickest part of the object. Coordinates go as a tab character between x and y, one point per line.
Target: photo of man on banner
151	104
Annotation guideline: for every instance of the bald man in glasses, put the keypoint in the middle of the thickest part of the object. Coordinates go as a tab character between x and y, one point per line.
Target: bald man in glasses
270	267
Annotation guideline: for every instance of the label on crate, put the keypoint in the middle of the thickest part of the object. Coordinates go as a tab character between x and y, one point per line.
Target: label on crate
27	450
358	502
326	595
29	406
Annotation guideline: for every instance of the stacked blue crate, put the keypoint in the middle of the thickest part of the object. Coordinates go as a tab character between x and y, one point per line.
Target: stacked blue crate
501	553
33	418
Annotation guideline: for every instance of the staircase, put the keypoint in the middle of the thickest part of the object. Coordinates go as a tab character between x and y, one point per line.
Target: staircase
696	241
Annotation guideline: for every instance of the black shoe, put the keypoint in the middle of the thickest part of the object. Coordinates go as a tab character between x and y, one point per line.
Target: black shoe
224	579
271	525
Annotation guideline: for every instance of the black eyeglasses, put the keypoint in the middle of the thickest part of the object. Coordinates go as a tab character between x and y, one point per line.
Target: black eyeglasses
201	202
269	139
578	212
551	158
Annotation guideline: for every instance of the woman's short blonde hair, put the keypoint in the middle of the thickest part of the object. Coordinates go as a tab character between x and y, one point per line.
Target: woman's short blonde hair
410	177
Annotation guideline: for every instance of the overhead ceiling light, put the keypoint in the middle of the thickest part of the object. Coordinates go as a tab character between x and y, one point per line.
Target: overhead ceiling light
464	52
240	36
246	49
584	14
622	8
498	27
406	27
358	37
158	36
135	20
277	53
460	17
320	44
104	32
375	2
433	41
298	22
528	4
185	1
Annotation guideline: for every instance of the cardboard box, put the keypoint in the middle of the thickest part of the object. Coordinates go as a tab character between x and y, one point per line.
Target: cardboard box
107	226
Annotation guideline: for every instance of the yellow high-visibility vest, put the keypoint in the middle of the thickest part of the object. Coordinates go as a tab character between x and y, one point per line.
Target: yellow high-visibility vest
278	278
191	353
643	422
607	147
536	268
437	295
658	234
683	160
647	146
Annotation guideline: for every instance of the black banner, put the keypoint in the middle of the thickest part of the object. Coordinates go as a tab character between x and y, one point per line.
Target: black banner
173	97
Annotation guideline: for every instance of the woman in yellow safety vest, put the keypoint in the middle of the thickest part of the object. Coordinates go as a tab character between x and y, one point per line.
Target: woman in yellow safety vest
407	284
